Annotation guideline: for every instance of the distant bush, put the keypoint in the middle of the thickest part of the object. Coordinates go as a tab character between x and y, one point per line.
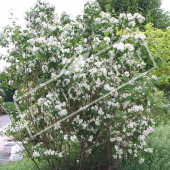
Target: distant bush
9	107
159	159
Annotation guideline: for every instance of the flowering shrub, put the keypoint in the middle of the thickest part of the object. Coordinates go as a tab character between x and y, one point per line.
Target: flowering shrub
82	97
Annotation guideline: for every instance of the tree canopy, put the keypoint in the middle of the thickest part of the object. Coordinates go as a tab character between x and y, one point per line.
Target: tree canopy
150	9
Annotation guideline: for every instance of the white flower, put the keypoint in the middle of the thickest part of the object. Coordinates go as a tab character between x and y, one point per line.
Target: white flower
31	41
79	49
130	125
65	137
52	152
97	40
116	147
119	139
84	125
90	138
101	111
136	108
112	139
120	46
141	160
66	50
129	16
40	40
122	15
53	59
107	39
57	126
97	20
139	17
97	122
125	104
58	107
98	64
41	14
89	151
154	77
68	27
44	68
11	58
132	23
73	138
149	150
65	60
140	36
135	155
105	15
63	112
114	156
126	74
93	70
40	101
150	129
60	154
85	40
120	152
34	49
36	154
130	151
141	137
77	64
130	47
38	20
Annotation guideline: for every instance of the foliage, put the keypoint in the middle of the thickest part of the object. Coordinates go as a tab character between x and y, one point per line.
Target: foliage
71	87
150	9
159	159
159	46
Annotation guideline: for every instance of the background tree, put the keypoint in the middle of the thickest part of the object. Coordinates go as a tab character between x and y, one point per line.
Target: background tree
150	9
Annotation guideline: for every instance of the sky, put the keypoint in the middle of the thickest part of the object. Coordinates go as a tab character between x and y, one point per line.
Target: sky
72	7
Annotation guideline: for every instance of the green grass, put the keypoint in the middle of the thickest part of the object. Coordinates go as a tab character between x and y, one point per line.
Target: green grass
25	164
